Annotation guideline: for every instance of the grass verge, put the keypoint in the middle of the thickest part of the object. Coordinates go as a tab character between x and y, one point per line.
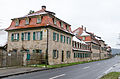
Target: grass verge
111	75
63	65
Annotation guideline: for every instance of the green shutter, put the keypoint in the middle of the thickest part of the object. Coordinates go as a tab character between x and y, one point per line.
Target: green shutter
22	36
12	37
57	37
64	39
33	35
28	35
54	36
61	36
18	37
41	34
69	40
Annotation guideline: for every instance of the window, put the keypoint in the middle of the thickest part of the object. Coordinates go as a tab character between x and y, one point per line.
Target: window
27	21
16	22
68	54
61	24
37	35
64	39
68	40
55	36
39	19
61	36
67	27
37	51
25	36
54	21
55	54
83	38
15	37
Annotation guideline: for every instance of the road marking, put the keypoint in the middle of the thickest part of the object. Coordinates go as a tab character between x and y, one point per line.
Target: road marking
108	70
86	67
57	76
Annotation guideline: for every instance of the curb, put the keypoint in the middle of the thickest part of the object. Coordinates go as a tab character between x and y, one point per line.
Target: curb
19	73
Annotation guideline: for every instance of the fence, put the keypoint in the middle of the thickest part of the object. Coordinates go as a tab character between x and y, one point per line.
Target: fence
20	59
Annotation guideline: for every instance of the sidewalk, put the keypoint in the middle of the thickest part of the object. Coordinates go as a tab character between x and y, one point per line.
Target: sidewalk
11	71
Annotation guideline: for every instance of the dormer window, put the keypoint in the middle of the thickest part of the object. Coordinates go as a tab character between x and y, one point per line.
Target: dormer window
39	19
27	21
61	24
17	22
54	21
67	27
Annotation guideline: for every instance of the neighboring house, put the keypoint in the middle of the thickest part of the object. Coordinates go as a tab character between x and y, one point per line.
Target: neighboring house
97	45
41	32
3	46
81	50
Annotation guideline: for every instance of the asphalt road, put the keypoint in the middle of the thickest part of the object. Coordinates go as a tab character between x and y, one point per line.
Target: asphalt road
92	70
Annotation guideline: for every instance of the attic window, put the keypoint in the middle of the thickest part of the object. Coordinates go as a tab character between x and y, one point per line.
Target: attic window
83	38
67	27
27	21
61	24
16	22
39	19
54	21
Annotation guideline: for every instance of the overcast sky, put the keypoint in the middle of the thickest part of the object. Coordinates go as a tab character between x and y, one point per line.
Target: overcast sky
99	16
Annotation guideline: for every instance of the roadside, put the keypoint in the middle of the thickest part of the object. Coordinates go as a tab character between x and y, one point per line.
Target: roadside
11	71
113	72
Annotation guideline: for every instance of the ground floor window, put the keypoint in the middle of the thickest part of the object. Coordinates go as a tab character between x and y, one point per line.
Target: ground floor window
81	55
55	54
68	54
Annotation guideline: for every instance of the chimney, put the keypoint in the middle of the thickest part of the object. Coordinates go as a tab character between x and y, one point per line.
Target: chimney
85	29
43	7
82	26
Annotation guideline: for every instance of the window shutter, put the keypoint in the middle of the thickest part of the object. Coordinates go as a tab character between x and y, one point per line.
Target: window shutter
57	37
64	39
54	36
12	37
22	36
69	40
41	34
28	35
61	38
18	37
33	35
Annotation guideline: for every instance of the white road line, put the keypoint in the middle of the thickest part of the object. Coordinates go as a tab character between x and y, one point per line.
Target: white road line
57	76
86	67
108	70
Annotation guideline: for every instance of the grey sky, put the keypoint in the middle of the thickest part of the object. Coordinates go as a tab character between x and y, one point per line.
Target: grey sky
99	16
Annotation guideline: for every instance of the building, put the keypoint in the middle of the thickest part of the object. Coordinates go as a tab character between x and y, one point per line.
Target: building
97	45
3	47
41	32
81	50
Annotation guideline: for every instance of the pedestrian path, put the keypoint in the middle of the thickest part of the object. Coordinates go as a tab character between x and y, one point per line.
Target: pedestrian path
10	71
